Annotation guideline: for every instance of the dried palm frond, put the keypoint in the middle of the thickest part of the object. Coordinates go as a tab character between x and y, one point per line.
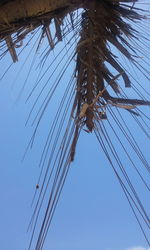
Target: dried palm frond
100	33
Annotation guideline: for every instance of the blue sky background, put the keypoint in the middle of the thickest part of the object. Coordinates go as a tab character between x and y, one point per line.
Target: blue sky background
92	212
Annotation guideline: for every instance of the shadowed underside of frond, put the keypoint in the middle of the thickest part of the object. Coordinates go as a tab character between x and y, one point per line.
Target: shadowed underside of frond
102	22
95	89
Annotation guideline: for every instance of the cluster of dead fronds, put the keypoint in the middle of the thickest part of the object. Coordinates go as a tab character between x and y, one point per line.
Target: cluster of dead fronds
105	31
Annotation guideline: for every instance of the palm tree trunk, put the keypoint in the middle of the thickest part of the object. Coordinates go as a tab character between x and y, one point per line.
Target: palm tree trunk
16	13
14	10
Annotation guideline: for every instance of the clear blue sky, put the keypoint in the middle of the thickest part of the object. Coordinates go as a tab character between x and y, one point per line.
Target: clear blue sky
92	213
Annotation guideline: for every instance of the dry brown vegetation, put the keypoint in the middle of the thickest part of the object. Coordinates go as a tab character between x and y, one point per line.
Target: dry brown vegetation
100	26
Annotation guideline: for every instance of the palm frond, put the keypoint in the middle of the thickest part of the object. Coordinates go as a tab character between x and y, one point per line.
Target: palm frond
101	33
